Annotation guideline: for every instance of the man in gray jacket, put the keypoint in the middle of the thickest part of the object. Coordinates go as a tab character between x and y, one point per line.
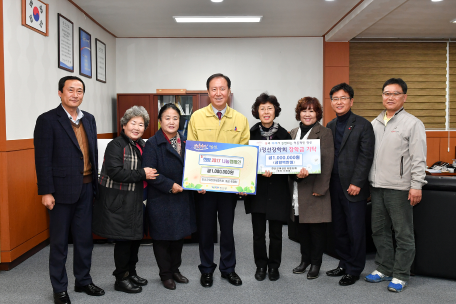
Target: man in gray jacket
396	178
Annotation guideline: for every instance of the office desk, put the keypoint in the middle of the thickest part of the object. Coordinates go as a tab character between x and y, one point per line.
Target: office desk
435	228
441	174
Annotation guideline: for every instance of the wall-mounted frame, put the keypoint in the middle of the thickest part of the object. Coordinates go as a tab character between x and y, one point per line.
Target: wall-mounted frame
35	16
100	55
65	42
85	53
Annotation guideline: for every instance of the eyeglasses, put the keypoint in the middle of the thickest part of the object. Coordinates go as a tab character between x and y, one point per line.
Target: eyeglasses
343	98
392	94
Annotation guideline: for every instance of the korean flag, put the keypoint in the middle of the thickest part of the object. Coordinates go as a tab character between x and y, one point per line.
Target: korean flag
35	15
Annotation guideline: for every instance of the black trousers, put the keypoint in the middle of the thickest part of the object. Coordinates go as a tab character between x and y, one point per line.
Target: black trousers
349	222
78	216
169	257
259	242
125	258
312	238
210	205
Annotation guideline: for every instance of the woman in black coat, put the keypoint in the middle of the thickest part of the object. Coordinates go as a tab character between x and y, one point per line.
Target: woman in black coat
170	210
272	202
118	210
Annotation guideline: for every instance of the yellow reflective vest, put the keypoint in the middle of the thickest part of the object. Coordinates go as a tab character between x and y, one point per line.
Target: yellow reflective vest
233	128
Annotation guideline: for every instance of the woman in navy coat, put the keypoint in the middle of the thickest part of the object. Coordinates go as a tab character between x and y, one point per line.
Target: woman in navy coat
170	209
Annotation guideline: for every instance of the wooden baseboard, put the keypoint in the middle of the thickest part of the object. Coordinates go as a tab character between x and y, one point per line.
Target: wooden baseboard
15	253
26	144
10	265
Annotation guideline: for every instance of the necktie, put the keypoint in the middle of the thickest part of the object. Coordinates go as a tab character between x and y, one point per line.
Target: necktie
219	115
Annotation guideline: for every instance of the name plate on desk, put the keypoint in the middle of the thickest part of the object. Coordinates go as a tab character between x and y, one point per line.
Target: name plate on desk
220	167
288	156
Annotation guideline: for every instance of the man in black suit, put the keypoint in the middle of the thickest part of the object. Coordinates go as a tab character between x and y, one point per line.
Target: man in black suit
66	160
353	154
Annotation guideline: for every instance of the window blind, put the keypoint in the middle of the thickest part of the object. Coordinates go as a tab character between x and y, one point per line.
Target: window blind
421	65
452	85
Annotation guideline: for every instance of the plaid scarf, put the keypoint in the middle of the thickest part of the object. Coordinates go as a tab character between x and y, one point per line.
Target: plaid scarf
176	143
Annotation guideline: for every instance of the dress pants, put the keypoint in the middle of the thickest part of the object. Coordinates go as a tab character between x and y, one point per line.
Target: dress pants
391	209
259	241
169	257
208	206
125	258
78	218
349	222
312	238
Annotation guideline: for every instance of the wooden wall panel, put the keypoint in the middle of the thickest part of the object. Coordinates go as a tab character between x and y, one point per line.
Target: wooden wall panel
126	101
332	77
23	219
2	87
107	135
336	54
335	71
26	214
437	146
433	150
20	144
328	112
444	154
4	220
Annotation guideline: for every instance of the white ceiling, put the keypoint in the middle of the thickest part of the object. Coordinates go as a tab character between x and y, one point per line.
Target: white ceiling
370	19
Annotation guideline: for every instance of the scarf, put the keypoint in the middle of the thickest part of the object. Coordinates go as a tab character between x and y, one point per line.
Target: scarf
176	143
268	133
305	129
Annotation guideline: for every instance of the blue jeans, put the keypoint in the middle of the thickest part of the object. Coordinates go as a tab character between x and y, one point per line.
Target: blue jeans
391	210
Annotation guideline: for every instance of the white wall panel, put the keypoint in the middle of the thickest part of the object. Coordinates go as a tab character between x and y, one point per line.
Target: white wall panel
289	68
31	73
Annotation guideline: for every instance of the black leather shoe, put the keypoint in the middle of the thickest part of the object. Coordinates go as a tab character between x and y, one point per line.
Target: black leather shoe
233	278
301	268
260	274
179	278
274	274
169	284
338	272
206	279
61	298
91	290
348	279
138	280
313	272
127	285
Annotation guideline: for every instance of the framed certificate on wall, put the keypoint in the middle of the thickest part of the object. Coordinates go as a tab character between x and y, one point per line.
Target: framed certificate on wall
65	43
35	16
85	53
100	55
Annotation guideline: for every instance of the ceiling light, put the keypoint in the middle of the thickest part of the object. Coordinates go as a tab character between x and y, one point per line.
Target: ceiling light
453	21
212	19
436	0
217	0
